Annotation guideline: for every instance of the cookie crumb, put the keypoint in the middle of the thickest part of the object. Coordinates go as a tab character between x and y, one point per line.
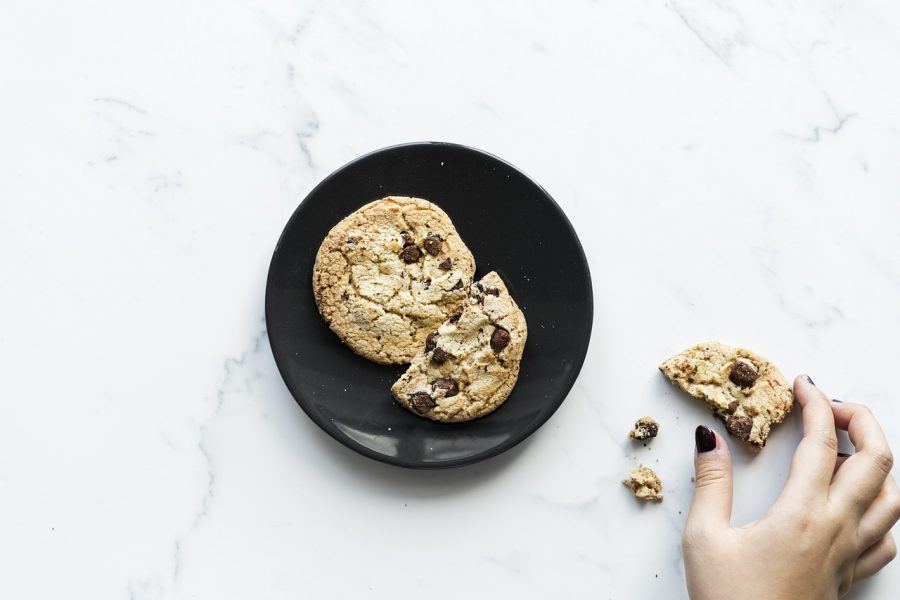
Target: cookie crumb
644	428
645	484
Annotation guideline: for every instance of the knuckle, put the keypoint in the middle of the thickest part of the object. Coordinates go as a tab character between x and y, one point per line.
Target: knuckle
890	549
883	459
809	527
710	475
893	507
844	585
827	438
805	523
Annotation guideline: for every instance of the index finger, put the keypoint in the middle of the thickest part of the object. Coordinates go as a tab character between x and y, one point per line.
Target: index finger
814	460
861	476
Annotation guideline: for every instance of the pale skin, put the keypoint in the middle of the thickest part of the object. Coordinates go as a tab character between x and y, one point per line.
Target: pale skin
829	528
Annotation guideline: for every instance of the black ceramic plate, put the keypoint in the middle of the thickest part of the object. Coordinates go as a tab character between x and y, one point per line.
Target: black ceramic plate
512	226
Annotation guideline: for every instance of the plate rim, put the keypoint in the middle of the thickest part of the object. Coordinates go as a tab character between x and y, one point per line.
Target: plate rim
508	444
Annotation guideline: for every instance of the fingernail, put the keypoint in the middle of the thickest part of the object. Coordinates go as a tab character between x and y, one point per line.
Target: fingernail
705	439
843	455
836	400
809	379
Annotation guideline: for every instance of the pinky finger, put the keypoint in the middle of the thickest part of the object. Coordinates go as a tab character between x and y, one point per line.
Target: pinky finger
875	558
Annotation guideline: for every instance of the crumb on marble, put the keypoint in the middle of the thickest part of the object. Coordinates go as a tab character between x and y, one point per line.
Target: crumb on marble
645	484
644	428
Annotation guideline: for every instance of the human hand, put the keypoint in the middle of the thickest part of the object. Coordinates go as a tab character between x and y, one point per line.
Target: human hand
829	528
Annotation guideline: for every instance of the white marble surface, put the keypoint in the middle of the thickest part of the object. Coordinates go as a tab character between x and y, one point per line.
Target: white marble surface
731	168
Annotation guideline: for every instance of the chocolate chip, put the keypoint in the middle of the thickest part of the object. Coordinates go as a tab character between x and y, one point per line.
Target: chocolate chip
450	387
410	254
499	339
743	373
455	316
421	402
732	406
446	265
457	286
492	291
440	356
431	341
345	296
407	239
432	244
739	427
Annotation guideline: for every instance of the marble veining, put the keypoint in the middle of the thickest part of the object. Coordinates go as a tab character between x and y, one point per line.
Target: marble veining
730	168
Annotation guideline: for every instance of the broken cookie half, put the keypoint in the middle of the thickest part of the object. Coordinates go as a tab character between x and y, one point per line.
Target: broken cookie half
470	364
744	389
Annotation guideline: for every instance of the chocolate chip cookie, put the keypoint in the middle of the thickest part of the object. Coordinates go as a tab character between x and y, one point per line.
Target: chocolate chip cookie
744	389
468	366
390	273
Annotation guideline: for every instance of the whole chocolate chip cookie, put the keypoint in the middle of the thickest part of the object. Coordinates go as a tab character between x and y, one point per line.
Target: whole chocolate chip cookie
744	389
389	274
469	365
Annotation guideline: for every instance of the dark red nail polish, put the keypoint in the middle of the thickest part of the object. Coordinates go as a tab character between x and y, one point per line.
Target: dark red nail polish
843	455
809	379
836	400
705	439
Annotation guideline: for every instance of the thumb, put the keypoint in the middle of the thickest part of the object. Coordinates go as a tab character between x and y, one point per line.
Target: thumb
713	490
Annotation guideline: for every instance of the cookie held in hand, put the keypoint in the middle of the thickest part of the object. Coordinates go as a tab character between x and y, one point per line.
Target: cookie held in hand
744	389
